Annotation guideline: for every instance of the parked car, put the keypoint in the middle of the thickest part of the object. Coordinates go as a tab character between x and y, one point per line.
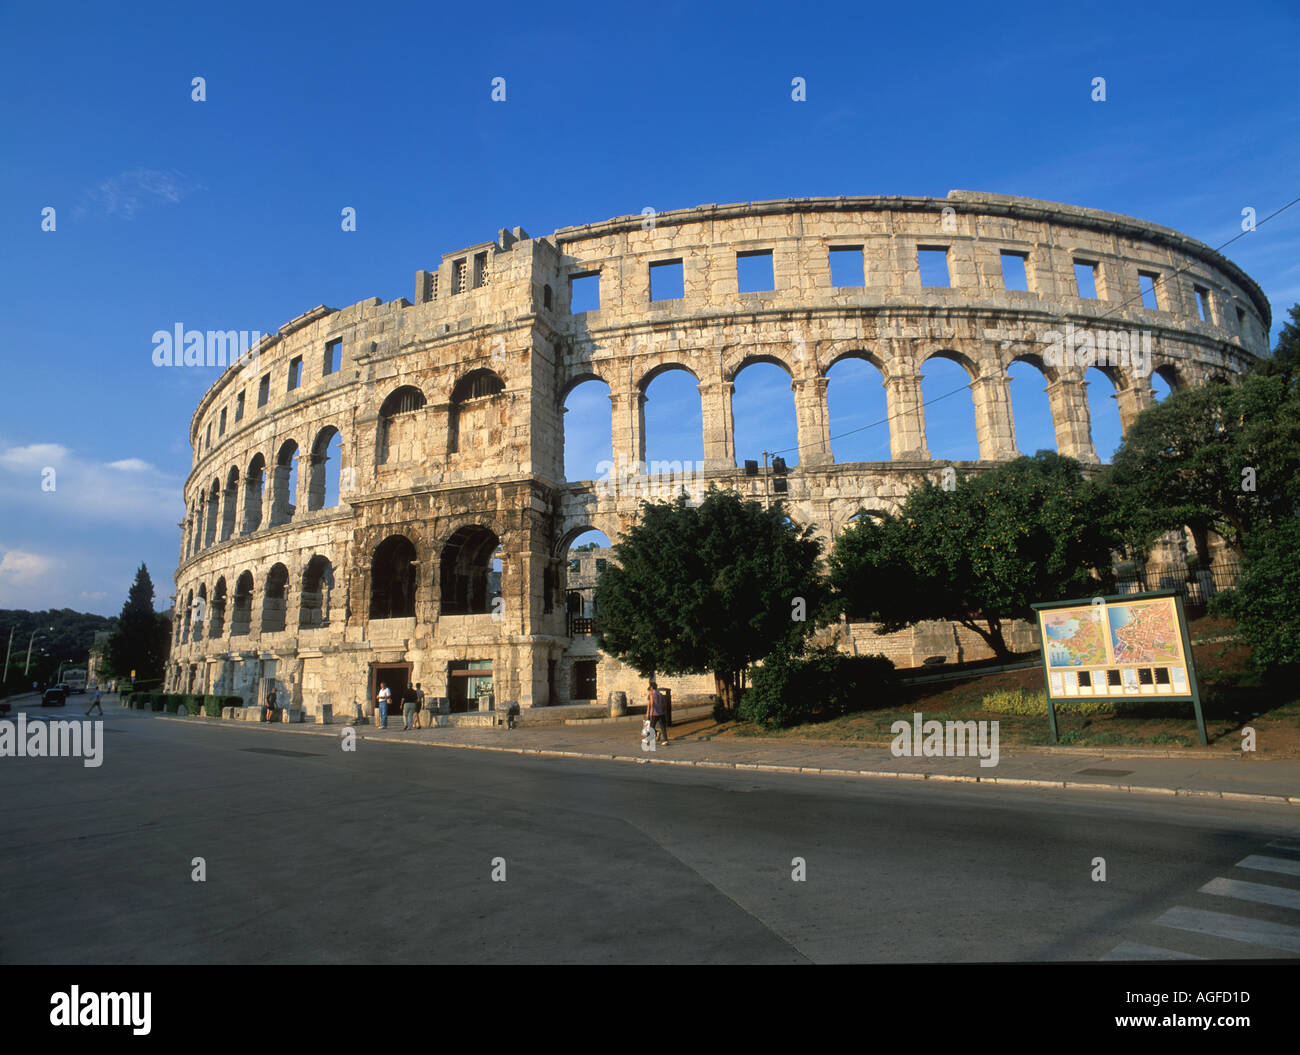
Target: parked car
55	696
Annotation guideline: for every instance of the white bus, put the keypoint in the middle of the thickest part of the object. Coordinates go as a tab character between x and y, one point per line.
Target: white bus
75	680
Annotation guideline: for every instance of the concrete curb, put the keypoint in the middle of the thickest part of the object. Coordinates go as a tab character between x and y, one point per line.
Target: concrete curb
761	767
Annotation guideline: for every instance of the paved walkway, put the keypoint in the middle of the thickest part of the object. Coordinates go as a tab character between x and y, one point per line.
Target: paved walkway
1170	772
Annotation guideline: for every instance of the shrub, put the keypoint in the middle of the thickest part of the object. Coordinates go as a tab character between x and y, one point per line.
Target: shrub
212	706
823	682
170	703
156	700
1034	704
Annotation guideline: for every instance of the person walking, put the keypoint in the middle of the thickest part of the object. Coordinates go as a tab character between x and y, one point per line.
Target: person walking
384	697
268	714
419	703
408	706
94	704
657	712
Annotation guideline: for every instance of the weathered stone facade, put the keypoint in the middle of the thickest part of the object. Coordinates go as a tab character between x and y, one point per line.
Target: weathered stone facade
439	423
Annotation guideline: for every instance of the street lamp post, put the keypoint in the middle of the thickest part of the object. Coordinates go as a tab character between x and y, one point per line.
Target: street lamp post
27	669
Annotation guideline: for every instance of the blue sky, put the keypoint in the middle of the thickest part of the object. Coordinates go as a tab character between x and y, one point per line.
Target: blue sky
224	214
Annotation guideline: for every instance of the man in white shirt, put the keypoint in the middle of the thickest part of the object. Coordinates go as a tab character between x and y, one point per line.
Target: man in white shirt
384	697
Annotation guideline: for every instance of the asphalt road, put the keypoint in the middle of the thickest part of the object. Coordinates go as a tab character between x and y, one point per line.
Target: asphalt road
386	855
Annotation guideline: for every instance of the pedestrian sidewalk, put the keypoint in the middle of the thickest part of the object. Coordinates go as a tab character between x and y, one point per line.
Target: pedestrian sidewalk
1189	773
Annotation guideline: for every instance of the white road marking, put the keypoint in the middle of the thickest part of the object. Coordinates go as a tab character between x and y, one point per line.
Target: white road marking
1237	928
1281	865
1265	895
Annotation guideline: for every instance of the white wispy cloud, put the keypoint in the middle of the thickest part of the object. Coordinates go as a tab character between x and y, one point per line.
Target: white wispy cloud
125	194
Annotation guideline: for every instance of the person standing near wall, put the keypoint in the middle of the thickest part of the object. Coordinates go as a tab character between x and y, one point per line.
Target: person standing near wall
384	697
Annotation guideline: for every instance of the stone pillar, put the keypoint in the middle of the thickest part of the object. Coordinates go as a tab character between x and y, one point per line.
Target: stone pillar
627	428
993	425
719	428
906	418
813	420
1133	400
1072	419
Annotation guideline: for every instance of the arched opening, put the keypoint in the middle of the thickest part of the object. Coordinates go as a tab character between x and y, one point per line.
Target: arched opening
1103	408
478	418
200	611
470	572
762	413
588	430
1031	409
317	586
949	413
254	485
400	416
196	527
588	554
392	579
213	512
229	502
284	494
672	416
241	617
326	459
217	620
857	411
275	598
189	610
1164	381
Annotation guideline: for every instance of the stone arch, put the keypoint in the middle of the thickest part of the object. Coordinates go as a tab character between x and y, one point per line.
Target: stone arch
275	599
859	428
400	416
201	598
314	597
588	449
325	465
470	569
254	494
241	614
217	622
764	414
284	490
477	415
753	359
189	609
229	502
951	426
1172	376
1032	412
1106	426
576	576
680	414
393	579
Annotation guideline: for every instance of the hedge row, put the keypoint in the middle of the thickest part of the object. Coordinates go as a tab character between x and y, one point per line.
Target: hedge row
823	683
181	703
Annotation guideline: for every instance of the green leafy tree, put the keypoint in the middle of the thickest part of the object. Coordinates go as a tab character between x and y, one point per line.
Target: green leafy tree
1266	602
1217	457
981	553
709	589
142	640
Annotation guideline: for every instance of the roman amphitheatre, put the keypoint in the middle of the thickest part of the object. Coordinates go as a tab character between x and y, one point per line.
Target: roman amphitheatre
379	491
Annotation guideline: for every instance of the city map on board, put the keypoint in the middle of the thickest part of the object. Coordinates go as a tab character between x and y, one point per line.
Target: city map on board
1075	637
1145	632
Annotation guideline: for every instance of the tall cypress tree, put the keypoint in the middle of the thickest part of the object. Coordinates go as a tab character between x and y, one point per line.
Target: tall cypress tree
141	642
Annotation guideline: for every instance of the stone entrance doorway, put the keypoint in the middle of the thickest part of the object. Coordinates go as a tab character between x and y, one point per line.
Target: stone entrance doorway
396	676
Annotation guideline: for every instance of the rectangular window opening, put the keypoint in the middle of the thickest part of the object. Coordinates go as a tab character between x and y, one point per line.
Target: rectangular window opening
932	262
481	272
754	271
1203	303
1241	320
1015	271
264	390
1147	283
458	276
221	423
333	361
295	373
584	292
667	281
239	407
1085	278
848	266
